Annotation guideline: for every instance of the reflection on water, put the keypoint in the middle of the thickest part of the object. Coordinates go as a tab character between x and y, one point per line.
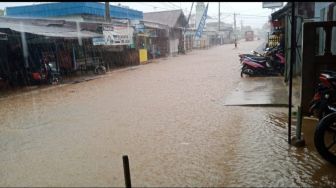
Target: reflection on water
310	167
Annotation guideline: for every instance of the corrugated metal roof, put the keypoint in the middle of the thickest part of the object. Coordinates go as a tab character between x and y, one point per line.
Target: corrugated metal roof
51	28
169	18
72	8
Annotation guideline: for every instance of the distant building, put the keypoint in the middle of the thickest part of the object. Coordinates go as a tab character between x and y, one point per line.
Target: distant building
213	26
224	35
73	11
176	21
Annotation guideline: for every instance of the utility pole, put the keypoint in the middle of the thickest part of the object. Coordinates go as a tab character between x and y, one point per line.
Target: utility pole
235	29
184	31
190	12
107	12
220	42
218	16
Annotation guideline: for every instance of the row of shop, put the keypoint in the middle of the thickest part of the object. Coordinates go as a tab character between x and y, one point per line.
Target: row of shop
305	12
313	48
74	47
75	44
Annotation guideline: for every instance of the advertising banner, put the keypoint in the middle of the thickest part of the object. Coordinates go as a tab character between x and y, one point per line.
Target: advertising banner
202	23
115	35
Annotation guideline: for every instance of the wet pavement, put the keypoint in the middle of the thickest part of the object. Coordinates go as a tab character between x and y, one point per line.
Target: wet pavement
259	91
168	117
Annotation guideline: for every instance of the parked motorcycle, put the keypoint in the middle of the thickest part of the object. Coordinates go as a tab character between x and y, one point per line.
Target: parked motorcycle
100	69
48	74
323	106
256	54
325	95
271	65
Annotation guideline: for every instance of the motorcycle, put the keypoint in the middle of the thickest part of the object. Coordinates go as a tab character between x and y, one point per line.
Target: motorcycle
325	96
272	65
255	54
323	107
48	74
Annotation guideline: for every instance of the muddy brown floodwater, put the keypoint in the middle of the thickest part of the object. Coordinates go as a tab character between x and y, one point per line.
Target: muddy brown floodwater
167	117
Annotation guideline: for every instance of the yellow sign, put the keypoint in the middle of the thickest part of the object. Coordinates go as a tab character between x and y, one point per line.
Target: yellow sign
143	56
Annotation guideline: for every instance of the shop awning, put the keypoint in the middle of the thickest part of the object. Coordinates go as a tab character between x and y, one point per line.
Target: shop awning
51	30
155	25
142	35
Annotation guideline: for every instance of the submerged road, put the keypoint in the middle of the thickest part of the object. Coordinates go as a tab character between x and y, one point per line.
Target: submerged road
168	117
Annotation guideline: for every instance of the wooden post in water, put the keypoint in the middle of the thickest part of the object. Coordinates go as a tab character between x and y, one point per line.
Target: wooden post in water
127	174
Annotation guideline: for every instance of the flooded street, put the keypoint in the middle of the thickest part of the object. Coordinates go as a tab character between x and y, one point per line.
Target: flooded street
167	116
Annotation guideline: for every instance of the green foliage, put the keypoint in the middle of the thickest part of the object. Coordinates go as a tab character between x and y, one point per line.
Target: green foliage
1	12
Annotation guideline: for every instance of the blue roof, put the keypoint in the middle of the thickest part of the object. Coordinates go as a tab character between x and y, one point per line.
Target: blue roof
72	8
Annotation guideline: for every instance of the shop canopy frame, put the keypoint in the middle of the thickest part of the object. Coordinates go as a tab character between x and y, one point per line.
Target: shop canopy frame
48	28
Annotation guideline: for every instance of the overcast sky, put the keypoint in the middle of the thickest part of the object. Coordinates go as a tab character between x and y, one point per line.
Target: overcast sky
250	13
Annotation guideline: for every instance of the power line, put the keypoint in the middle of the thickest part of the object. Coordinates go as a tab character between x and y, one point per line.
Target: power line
254	16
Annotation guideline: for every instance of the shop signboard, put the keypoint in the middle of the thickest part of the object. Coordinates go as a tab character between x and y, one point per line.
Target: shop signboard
98	41
139	28
152	33
272	5
115	35
3	36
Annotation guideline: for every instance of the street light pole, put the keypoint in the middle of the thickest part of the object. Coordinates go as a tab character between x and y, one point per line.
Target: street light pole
218	16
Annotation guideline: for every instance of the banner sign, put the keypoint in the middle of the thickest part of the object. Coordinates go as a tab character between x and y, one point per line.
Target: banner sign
202	23
272	4
114	35
3	36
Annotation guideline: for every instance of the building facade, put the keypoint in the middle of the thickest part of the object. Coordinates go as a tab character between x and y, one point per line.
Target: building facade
76	11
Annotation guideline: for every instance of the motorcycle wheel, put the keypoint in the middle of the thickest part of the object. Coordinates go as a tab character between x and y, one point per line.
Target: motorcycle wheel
325	138
100	70
246	72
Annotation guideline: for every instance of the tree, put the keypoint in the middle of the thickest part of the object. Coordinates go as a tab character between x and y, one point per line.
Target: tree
1	12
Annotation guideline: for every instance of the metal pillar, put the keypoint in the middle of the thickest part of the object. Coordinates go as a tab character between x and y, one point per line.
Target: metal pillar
292	61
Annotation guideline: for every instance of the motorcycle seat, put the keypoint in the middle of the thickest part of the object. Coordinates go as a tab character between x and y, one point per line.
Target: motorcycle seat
260	60
331	73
